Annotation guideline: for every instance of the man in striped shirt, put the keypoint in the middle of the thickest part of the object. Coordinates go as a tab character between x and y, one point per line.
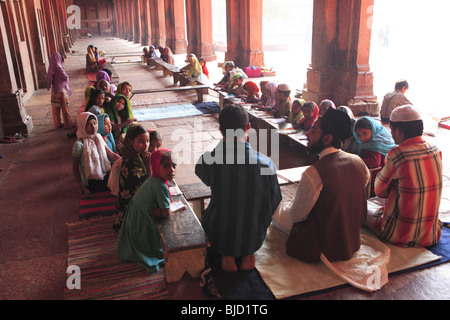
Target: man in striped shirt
411	181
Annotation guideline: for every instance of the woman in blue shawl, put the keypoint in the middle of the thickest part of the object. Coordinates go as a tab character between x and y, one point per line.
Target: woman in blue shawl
373	144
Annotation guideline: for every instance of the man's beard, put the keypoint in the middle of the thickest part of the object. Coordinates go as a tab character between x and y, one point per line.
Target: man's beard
315	148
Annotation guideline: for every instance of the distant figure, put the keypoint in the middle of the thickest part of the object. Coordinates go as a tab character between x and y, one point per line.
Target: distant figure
58	82
394	99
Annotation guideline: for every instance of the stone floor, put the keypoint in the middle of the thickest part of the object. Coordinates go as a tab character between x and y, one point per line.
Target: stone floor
38	195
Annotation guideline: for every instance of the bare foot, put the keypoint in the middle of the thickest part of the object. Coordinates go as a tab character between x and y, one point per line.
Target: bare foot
229	264
248	263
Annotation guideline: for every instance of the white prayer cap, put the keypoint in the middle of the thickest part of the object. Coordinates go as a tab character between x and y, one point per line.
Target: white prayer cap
405	113
284	87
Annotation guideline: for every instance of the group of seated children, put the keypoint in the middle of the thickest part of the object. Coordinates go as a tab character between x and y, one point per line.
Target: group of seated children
140	163
370	140
95	59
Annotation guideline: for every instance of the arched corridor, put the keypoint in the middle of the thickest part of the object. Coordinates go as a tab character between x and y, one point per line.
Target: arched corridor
37	192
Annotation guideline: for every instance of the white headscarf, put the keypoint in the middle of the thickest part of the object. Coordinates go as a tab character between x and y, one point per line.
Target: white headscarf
272	88
96	160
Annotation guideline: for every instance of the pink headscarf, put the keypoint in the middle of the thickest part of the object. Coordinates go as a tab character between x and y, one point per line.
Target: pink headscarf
155	162
56	76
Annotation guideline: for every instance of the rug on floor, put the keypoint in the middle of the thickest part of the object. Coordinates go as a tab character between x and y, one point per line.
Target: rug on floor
156	100
102	204
179	110
104	276
278	276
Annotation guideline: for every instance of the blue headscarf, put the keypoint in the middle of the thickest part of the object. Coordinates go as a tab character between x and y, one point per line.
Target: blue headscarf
101	129
381	140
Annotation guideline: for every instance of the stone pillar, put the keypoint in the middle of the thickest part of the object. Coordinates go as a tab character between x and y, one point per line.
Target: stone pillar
13	115
244	32
145	23
176	26
340	68
199	26
137	20
158	23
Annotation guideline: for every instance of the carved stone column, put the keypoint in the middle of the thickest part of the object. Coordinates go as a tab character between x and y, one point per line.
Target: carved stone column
176	26
244	32
340	68
145	23
158	21
199	26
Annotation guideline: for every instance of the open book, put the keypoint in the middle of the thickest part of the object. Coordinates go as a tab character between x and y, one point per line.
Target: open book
176	206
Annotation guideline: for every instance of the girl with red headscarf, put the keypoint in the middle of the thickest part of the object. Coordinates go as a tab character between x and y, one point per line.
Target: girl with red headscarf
310	114
139	237
252	92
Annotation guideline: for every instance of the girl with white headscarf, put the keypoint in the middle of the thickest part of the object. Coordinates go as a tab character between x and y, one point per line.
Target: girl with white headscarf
90	153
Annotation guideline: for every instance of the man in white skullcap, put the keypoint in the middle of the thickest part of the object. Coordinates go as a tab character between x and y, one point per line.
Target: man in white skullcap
330	205
283	103
409	187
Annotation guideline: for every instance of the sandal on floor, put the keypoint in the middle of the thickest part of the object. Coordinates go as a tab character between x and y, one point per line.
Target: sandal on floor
8	139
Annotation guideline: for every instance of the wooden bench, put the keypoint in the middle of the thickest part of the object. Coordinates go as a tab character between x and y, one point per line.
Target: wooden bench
199	89
184	243
113	56
167	68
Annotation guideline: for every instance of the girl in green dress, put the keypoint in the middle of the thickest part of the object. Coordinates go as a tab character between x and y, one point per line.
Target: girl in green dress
139	239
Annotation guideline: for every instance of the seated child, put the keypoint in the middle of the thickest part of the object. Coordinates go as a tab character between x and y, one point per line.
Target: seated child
324	105
237	86
204	67
270	100
310	114
296	113
120	113
252	92
91	164
96	103
238	214
105	130
283	101
106	87
227	74
155	145
264	95
139	239
133	169
374	143
125	88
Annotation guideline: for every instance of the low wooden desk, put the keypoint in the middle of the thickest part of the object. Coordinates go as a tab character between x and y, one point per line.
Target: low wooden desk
199	192
184	243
